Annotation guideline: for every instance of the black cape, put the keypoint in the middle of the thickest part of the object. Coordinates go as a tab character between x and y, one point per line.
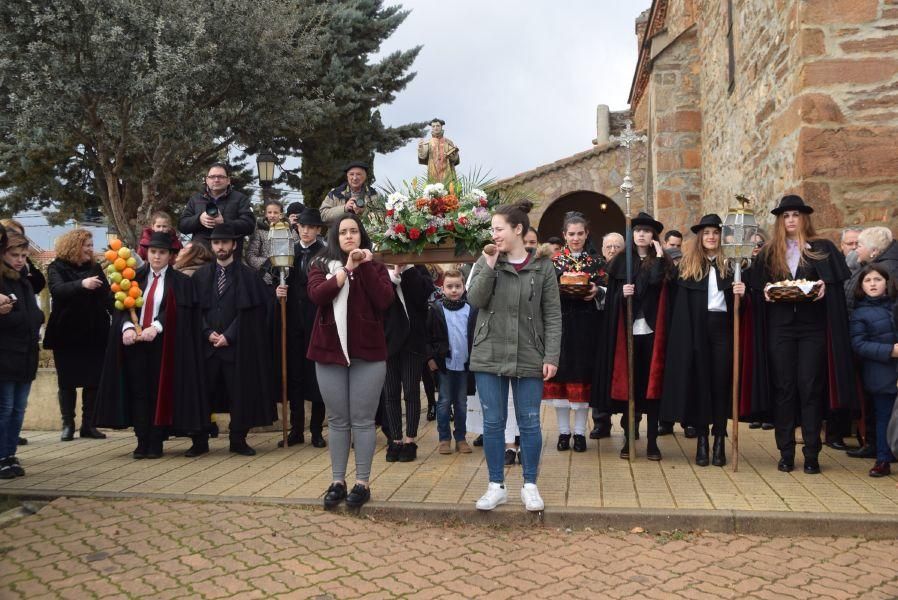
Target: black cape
254	396
687	395
181	398
841	378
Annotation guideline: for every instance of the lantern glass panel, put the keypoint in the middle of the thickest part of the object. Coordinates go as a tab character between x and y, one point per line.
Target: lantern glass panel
265	164
281	253
738	230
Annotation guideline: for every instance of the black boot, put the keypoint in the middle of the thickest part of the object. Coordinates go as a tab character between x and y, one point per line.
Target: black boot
564	442
431	412
295	436
719	455
701	451
88	404
67	410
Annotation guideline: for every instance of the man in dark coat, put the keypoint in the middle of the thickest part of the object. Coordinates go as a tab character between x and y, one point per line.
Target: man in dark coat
218	203
149	376
302	384
234	304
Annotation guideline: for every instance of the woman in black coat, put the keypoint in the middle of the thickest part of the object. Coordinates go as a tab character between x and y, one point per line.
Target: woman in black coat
78	327
19	330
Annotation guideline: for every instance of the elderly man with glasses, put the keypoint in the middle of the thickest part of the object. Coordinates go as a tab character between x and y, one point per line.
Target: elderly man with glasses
218	203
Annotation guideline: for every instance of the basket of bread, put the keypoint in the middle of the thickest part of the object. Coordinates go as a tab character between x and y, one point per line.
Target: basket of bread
793	290
574	283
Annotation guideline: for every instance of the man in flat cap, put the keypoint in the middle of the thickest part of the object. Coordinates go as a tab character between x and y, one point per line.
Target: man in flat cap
351	195
439	153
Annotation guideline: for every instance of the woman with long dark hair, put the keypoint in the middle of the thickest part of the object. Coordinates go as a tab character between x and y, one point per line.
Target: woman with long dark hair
78	327
651	269
349	349
517	340
698	374
803	347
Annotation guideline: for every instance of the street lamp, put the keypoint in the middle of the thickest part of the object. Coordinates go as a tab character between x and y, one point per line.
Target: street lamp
265	164
739	228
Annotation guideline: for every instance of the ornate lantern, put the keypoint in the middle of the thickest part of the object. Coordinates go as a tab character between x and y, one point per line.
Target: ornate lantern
281	244
739	228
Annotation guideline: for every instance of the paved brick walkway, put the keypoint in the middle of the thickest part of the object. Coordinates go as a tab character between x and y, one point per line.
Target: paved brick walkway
143	548
594	479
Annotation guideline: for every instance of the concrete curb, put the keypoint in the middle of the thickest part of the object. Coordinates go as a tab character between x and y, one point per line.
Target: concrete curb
765	523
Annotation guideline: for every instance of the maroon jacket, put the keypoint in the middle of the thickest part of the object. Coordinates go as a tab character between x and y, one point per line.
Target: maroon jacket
144	244
370	294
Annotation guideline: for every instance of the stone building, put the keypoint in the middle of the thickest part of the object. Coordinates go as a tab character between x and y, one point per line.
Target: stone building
759	97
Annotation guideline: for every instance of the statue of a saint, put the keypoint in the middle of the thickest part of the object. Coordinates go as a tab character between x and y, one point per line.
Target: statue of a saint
439	153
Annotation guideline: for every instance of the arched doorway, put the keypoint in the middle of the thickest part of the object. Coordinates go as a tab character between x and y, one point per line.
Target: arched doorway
601	220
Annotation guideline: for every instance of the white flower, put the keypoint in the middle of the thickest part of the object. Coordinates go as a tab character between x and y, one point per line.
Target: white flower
396	201
434	190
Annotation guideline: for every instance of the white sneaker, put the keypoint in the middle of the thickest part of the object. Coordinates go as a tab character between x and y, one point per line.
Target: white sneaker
495	495
531	498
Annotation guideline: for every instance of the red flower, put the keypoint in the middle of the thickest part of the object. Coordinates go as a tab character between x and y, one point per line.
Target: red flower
463	221
450	226
430	230
483	202
399	228
390	212
414	233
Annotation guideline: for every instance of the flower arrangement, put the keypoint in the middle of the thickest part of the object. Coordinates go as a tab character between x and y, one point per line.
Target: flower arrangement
422	214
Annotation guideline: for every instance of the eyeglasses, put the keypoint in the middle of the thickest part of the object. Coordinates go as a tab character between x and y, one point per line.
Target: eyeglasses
216	177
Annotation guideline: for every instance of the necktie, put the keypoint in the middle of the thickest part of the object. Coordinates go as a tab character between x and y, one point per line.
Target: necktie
150	301
221	280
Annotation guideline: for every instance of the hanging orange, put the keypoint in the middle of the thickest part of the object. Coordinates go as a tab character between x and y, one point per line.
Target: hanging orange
115	244
120	264
111	255
134	292
115	288
128	273
128	302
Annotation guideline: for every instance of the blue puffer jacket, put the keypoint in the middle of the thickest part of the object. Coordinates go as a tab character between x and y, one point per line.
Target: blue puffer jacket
873	335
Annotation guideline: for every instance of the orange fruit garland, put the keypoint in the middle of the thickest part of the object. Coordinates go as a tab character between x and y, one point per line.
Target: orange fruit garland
120	264
111	255
115	244
128	273
115	288
128	302
134	292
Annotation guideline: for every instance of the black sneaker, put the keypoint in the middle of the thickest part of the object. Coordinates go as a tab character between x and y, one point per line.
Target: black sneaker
334	495
579	443
16	467
408	454
22	442
359	495
478	441
393	451
6	471
432	412
510	456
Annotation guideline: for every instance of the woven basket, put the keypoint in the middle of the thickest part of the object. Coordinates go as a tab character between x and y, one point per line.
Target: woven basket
793	293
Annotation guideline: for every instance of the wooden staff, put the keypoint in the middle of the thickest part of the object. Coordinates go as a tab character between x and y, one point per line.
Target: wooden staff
285	409
737	278
631	387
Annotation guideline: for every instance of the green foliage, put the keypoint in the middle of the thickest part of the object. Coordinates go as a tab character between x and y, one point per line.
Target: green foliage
351	127
123	103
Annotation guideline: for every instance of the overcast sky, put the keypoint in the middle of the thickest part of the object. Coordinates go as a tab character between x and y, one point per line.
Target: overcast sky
517	81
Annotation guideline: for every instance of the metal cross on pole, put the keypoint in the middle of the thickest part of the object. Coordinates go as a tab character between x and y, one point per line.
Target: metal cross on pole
626	139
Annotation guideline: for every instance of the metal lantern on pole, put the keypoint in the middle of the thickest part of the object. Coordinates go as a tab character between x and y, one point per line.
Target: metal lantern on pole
626	139
739	229
281	256
265	164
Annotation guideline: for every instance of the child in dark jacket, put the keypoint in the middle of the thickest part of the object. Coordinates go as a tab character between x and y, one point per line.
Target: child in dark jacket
159	221
874	338
450	329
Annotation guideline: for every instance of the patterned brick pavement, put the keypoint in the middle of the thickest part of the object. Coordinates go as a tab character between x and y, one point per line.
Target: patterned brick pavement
144	548
594	479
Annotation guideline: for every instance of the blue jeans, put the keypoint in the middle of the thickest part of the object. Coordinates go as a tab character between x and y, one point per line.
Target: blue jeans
13	399
882	406
528	393
454	393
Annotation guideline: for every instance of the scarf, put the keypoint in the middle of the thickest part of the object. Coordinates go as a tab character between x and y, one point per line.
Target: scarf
341	307
453	304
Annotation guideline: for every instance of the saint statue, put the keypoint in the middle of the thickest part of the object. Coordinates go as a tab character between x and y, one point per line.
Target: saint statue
439	153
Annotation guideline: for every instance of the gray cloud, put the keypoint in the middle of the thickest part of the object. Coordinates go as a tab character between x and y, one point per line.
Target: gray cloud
516	81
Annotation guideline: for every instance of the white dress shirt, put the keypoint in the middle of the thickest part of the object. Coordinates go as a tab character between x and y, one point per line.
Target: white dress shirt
157	299
717	302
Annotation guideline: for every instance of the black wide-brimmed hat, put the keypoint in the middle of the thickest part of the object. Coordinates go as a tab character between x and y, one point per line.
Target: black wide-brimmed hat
224	231
712	220
295	208
646	220
792	202
160	239
311	217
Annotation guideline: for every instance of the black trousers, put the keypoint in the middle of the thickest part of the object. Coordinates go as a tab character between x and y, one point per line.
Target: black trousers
221	381
721	364
300	379
142	363
403	380
642	359
798	368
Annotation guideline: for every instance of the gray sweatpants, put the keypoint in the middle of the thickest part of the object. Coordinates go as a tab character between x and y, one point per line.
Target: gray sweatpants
351	395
